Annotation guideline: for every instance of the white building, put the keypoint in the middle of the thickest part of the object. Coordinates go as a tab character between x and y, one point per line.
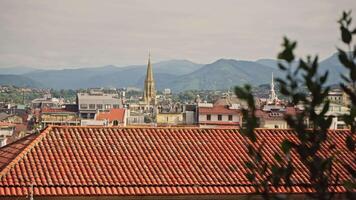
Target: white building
210	115
6	131
336	111
90	103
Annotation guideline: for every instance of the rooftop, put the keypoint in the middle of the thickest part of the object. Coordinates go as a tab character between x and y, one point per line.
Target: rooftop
113	114
217	109
102	161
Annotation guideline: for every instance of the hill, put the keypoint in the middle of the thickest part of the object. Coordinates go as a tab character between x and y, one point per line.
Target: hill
333	65
18	81
110	76
16	70
224	74
178	75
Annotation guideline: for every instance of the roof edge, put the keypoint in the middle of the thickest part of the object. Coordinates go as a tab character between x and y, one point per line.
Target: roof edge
175	127
24	151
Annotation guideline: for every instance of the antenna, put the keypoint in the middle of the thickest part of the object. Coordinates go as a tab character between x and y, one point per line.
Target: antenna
31	192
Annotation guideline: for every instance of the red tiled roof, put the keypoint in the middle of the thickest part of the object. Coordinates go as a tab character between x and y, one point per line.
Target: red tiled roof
10	151
63	161
113	114
217	109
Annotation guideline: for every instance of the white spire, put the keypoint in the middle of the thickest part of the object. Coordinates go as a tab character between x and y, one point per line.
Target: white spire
273	96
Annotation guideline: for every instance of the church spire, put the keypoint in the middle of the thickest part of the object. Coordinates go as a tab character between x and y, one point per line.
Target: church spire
273	95
149	74
149	94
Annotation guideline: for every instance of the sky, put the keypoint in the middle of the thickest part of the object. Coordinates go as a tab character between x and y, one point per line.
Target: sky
55	34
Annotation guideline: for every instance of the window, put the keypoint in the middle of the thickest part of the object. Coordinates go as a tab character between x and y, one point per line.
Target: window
340	118
340	126
84	115
91	106
99	106
107	106
83	106
276	126
91	115
230	117
115	123
208	117
219	117
116	105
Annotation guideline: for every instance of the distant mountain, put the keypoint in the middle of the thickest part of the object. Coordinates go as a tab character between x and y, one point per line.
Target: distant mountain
268	62
176	67
18	81
68	78
175	74
331	64
335	68
224	74
110	76
16	70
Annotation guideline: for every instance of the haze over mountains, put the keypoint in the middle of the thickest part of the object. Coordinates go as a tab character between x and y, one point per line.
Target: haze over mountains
175	74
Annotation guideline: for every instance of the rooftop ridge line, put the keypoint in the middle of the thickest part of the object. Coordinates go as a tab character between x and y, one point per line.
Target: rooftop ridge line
182	127
24	151
166	127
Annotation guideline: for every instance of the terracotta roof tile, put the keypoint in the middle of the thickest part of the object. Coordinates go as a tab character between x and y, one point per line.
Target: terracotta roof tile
113	114
142	161
217	109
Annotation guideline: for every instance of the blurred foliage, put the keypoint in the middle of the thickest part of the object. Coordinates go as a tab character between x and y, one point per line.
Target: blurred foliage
348	60
310	140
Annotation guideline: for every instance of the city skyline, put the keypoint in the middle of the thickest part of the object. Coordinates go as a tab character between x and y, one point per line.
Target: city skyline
66	34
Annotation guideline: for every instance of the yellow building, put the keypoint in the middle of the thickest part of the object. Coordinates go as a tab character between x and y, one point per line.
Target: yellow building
169	118
58	117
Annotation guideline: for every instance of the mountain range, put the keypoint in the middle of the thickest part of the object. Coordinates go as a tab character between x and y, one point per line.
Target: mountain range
178	75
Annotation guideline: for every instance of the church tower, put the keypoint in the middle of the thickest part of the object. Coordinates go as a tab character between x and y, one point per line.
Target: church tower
149	93
273	98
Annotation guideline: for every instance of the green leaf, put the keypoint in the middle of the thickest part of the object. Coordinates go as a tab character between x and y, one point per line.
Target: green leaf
343	59
250	177
324	78
350	143
286	146
353	73
325	108
345	78
281	66
278	158
349	185
249	165
345	35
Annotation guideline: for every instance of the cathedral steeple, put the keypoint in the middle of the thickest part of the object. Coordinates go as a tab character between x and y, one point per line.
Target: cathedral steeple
149	94
273	96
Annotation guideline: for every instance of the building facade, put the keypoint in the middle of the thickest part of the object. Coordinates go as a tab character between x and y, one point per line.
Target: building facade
90	103
51	116
169	119
6	131
210	115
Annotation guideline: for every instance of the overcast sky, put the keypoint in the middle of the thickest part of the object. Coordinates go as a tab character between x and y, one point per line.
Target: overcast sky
73	33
